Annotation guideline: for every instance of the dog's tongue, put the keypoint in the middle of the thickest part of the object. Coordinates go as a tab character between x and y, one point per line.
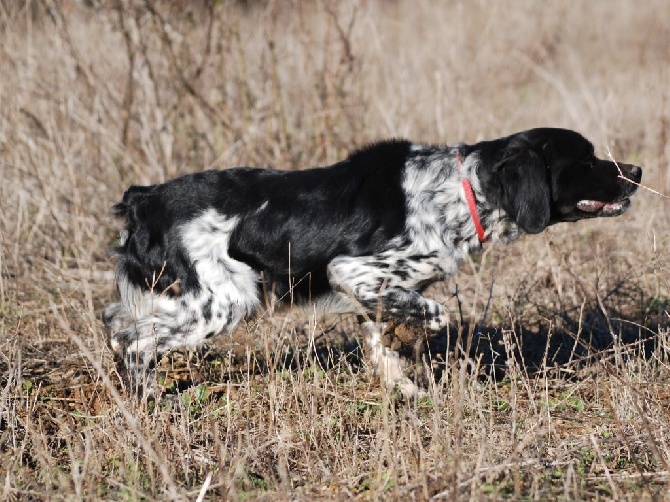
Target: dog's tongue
590	206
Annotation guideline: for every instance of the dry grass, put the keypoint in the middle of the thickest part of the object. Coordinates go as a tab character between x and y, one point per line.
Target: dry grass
564	392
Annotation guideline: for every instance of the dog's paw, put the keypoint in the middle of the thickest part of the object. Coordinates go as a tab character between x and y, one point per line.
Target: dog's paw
383	343
408	389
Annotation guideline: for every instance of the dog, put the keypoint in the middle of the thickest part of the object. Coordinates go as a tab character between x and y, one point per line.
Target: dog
367	234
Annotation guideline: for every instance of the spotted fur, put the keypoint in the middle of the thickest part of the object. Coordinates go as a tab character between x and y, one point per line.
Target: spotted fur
366	234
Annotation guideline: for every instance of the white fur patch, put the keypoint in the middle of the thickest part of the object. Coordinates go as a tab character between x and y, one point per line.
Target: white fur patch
232	282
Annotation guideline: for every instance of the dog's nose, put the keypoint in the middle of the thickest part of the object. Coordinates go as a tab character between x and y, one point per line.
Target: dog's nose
632	172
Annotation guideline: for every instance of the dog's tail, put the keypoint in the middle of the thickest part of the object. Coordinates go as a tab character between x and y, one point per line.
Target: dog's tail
126	209
129	209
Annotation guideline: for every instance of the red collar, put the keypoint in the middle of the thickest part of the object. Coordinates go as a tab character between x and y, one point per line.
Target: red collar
470	197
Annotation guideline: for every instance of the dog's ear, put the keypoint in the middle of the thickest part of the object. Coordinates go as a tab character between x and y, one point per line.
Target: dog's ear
526	196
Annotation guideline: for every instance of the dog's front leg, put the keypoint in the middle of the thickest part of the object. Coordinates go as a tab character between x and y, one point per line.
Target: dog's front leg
386	361
379	286
383	285
412	307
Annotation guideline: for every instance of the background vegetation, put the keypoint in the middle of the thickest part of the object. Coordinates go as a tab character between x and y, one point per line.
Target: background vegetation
561	391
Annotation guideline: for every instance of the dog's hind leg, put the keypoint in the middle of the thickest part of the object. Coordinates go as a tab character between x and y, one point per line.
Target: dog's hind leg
159	323
222	291
146	324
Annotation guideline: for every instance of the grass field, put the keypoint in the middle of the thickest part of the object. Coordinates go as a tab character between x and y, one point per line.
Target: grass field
553	382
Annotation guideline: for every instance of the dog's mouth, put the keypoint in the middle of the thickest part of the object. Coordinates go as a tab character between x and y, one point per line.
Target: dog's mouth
600	208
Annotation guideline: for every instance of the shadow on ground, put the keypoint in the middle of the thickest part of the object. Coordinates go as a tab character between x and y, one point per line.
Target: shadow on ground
561	347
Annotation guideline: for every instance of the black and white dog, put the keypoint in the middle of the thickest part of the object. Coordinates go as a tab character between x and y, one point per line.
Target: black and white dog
367	233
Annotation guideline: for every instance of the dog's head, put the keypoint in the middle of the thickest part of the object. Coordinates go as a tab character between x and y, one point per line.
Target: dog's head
548	176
